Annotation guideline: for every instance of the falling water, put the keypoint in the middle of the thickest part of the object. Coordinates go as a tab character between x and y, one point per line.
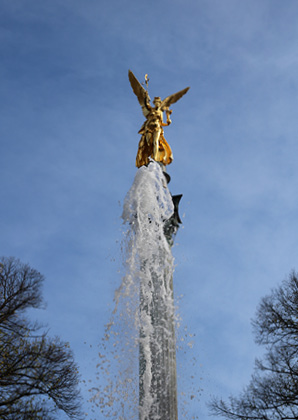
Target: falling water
147	207
142	328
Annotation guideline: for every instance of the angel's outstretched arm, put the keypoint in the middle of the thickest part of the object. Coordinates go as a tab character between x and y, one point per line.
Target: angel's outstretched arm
168	113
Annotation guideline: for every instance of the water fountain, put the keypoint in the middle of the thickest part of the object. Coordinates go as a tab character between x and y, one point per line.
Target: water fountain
149	210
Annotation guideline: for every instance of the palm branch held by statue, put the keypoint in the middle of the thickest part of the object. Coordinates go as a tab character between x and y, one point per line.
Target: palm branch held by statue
152	143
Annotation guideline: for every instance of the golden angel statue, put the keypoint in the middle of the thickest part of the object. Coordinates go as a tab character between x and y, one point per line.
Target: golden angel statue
152	143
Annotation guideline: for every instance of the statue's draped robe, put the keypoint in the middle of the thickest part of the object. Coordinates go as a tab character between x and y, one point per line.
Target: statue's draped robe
152	143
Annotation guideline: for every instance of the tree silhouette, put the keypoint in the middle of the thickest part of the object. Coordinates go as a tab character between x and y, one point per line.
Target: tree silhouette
38	375
273	389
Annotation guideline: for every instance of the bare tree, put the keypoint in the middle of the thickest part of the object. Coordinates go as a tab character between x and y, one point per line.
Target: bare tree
38	375
273	390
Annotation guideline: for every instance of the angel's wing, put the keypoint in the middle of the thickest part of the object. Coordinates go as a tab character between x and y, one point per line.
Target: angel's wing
173	98
140	92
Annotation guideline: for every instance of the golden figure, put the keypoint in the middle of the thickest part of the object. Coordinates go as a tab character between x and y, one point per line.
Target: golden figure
152	143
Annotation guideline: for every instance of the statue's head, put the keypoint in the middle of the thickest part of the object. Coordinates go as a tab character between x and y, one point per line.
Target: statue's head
157	101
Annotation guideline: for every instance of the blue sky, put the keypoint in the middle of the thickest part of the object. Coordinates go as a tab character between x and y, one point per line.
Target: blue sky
68	133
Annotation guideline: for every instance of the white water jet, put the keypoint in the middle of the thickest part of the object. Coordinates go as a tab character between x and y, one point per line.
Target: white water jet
141	335
147	206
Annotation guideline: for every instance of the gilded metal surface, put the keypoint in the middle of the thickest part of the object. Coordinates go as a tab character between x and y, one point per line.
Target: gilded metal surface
153	143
